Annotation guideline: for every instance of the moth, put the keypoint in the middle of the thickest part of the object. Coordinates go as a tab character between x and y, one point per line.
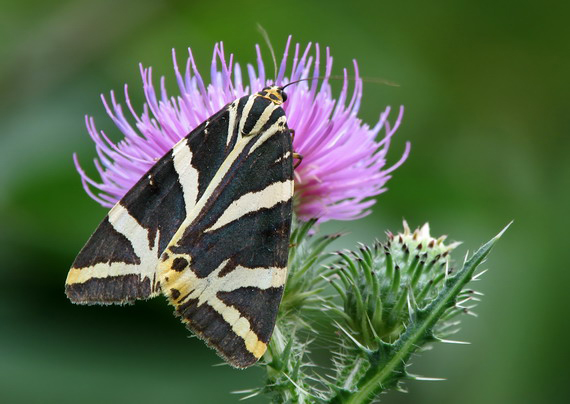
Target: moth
208	227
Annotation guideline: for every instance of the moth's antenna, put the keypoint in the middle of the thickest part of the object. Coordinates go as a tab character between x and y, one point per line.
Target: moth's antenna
268	42
298	81
375	80
365	79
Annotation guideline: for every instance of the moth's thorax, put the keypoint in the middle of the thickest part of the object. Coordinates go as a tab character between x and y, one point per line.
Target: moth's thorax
274	94
261	112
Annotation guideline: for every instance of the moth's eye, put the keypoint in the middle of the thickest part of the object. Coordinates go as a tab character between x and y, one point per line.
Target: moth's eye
284	96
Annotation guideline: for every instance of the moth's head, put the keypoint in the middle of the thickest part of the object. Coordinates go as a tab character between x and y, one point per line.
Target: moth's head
274	94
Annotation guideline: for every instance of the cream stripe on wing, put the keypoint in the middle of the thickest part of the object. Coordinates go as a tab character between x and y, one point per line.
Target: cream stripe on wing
245	114
240	326
222	171
206	290
265	115
232	110
284	157
254	201
214	183
261	278
187	174
238	148
272	130
103	270
125	224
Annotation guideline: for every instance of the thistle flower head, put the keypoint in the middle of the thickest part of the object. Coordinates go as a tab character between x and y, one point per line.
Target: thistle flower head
343	163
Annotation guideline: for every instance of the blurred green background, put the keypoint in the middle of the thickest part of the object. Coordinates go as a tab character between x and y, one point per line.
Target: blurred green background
486	90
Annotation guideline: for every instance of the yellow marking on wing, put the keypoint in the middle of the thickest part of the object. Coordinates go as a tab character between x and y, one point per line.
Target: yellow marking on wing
184	281
240	326
255	346
206	289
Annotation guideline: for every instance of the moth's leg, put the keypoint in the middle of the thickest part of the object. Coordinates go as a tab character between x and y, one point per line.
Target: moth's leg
299	158
295	155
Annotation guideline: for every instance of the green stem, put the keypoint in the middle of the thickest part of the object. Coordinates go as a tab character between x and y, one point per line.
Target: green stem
277	352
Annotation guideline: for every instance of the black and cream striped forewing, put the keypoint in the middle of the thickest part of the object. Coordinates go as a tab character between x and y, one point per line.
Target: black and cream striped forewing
225	268
209	226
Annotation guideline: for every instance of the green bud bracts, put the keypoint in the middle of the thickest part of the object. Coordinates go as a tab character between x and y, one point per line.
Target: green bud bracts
380	284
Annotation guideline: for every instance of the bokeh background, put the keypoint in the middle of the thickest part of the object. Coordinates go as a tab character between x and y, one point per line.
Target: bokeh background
486	90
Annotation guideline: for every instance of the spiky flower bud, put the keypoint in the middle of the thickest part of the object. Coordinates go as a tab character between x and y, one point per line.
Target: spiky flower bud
397	297
382	287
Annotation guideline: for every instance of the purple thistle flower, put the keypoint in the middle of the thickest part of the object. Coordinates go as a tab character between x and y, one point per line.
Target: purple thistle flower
343	165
